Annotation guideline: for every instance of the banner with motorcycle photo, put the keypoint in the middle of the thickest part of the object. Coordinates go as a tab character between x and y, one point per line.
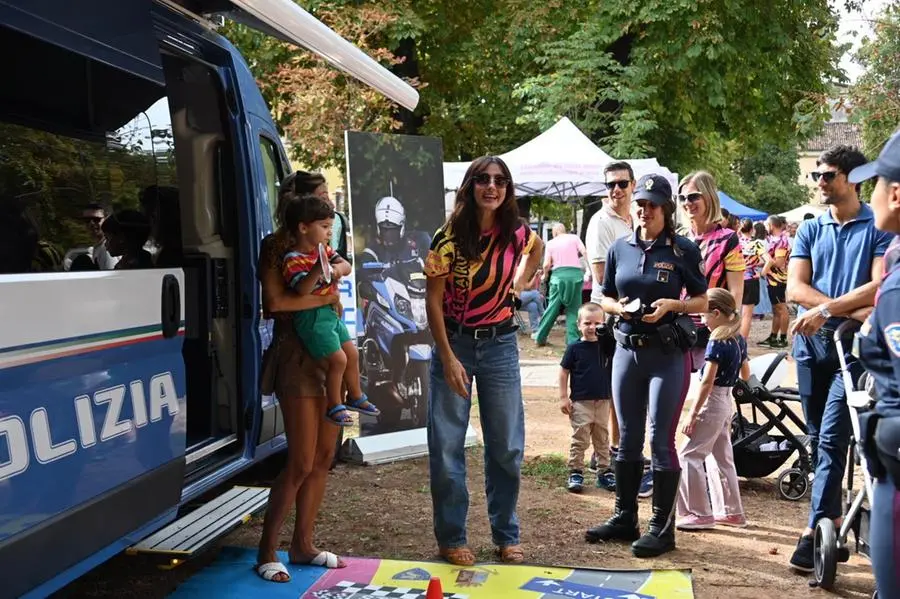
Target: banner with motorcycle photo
395	185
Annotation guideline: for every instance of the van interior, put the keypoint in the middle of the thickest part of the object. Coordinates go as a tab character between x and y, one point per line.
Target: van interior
128	143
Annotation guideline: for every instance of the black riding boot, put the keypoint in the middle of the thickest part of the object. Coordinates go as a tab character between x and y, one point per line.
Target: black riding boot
660	538
623	525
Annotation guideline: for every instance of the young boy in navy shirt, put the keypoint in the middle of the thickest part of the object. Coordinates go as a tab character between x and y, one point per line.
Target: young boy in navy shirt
585	365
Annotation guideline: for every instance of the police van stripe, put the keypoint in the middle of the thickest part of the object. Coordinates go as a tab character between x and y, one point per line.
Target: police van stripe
61	348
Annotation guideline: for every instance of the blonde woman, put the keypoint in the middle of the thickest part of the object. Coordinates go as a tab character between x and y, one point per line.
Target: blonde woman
720	248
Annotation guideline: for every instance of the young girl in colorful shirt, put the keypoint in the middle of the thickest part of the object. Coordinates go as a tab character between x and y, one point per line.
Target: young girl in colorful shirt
708	424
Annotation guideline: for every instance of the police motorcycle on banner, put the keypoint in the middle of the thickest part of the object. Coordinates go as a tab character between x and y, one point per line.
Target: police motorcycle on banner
830	545
396	342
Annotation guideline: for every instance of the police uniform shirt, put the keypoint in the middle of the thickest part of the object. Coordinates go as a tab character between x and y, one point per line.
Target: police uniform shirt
659	270
588	367
879	345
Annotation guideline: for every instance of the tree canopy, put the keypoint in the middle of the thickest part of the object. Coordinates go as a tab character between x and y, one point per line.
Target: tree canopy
876	94
675	79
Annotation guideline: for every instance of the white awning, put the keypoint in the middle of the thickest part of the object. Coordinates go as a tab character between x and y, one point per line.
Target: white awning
289	22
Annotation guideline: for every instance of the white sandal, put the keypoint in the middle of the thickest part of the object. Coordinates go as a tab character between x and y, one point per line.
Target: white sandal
325	558
268	571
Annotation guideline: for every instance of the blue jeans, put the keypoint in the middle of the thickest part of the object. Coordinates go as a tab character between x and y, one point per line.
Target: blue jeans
884	534
533	302
649	378
494	366
824	402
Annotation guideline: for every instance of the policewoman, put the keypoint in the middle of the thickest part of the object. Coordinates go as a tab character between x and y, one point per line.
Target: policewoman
650	369
879	352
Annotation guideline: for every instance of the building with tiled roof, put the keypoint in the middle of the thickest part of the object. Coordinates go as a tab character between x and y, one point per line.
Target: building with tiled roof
833	133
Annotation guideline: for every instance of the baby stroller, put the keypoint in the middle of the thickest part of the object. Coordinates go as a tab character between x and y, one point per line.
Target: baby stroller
828	542
765	442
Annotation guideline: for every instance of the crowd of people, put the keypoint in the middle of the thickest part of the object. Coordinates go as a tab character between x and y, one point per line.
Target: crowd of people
665	303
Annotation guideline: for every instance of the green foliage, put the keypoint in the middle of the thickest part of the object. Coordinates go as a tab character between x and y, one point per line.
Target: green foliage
661	77
773	195
782	163
876	94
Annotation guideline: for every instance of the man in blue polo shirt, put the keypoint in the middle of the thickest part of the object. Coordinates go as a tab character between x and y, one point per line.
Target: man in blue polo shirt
835	269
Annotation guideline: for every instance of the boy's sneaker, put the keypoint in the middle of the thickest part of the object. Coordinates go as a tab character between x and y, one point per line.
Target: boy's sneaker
694	522
734	520
780	342
576	482
767	342
606	480
646	488
802	560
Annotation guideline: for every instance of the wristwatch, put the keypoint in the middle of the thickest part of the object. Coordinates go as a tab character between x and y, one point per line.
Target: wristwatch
824	312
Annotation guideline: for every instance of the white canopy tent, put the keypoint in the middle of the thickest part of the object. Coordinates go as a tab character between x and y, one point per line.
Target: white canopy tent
561	162
796	215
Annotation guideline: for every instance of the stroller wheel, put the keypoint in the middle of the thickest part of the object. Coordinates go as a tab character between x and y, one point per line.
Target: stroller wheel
825	551
793	484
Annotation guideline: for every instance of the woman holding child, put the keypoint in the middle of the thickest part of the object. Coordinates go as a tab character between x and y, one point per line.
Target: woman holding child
299	383
649	368
473	267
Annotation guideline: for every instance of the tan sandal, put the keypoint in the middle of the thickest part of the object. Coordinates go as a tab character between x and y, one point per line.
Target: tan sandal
511	554
458	556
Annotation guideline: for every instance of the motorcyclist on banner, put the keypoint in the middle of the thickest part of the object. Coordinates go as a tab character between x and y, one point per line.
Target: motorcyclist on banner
394	256
391	244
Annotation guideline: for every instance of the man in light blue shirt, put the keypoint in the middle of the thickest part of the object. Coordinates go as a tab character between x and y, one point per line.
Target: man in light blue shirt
835	269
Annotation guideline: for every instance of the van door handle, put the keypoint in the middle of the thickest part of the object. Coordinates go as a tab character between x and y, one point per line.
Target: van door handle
170	310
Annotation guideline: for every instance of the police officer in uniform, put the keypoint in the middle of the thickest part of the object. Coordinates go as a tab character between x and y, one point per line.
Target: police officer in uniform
650	368
879	352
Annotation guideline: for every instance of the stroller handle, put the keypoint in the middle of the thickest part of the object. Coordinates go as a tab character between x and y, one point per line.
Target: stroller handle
843	330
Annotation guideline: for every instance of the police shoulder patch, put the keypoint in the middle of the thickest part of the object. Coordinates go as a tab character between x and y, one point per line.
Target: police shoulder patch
892	337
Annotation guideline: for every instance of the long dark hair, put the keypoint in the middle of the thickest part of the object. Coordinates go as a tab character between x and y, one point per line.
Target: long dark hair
464	220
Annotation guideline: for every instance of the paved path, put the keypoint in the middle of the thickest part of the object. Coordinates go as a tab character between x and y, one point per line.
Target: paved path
540	373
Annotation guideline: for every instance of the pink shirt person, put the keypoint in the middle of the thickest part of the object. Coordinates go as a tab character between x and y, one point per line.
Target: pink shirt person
565	249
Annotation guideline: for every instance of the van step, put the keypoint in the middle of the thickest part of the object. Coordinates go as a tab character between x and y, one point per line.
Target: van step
196	530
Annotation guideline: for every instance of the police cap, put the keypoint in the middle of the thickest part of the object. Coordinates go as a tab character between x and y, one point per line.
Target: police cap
654	188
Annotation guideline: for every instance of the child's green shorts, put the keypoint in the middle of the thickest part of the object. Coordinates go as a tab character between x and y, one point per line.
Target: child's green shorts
321	331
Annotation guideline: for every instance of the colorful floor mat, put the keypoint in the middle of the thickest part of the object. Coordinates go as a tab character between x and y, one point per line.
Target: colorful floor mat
232	575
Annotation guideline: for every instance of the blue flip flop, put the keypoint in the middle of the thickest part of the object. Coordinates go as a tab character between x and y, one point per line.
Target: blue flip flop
338	415
363	406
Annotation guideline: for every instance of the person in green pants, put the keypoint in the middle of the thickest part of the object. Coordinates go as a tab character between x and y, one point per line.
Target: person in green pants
562	260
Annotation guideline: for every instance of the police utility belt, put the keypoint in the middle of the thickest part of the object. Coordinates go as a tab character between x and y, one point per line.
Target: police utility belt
882	445
680	334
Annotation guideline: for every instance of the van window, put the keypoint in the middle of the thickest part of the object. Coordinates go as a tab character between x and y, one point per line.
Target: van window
68	201
273	173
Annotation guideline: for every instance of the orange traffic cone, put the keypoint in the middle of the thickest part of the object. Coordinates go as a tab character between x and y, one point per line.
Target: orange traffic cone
434	589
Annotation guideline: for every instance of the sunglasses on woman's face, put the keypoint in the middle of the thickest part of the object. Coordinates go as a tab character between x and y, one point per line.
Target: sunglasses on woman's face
623	184
690	198
828	176
485	180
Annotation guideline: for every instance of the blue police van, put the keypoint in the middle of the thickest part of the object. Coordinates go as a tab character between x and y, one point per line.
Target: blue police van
139	168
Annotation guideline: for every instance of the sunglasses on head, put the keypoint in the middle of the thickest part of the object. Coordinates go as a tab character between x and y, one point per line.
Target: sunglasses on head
828	176
690	198
623	184
485	179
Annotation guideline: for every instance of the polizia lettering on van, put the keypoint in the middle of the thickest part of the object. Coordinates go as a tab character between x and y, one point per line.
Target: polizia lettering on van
148	407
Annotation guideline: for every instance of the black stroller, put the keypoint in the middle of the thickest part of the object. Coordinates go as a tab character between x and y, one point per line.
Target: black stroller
765	442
